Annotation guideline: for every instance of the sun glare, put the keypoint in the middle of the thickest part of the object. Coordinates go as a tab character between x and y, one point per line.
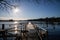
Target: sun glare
16	28
16	10
15	22
30	26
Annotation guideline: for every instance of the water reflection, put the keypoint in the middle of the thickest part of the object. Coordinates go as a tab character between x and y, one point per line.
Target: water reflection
15	22
53	28
15	27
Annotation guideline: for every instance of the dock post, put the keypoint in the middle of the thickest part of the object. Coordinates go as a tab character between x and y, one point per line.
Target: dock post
47	24
2	26
3	32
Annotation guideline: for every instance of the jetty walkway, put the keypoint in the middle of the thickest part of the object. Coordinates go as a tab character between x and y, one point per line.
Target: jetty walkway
28	31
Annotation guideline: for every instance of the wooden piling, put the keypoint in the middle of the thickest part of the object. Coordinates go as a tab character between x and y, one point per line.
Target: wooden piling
4	32
2	26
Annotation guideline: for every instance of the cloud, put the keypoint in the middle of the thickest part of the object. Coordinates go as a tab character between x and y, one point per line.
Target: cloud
3	18
7	18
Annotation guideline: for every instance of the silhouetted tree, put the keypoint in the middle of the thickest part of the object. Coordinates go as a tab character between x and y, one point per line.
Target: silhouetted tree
5	4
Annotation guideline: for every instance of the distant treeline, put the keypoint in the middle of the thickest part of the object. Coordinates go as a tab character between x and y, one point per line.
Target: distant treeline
52	19
10	20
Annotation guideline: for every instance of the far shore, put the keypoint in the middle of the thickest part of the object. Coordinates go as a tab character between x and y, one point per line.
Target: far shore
52	19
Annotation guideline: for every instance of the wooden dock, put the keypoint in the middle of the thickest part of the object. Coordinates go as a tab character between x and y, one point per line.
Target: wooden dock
30	32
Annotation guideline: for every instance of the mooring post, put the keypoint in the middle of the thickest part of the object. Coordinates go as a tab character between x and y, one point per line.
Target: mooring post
2	26
3	32
47	24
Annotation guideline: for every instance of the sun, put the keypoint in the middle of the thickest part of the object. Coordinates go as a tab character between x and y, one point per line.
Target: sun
16	10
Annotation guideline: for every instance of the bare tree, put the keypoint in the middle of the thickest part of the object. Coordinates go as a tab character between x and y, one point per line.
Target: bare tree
4	4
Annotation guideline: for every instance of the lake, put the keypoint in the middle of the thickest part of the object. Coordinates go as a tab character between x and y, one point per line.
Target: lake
53	29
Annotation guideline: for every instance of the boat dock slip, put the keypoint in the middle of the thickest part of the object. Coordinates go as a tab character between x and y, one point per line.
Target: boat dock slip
21	31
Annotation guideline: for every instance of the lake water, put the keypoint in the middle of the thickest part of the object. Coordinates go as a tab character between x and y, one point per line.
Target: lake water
53	29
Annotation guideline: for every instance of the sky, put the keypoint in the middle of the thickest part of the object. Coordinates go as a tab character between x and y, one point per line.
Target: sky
28	10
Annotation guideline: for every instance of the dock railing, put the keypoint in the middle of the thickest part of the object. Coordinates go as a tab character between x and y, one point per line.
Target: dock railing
42	32
4	32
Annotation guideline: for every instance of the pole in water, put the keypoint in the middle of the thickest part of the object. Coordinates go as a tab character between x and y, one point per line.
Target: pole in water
2	26
3	32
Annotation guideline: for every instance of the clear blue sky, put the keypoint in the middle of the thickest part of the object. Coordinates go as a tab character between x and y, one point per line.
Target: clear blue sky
30	10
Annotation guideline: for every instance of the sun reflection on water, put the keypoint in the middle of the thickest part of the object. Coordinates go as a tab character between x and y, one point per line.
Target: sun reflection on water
16	27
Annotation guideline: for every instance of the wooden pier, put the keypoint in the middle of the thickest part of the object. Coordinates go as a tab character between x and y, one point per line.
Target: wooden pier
31	32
